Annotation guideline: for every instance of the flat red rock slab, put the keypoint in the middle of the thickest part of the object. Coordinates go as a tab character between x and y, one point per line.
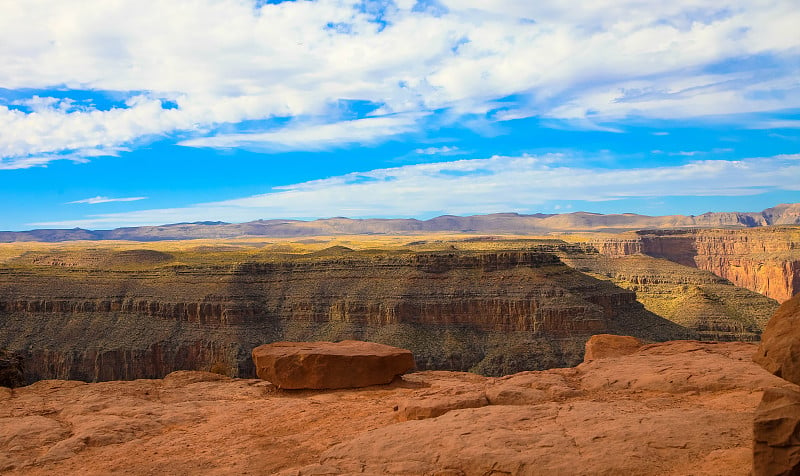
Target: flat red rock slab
326	365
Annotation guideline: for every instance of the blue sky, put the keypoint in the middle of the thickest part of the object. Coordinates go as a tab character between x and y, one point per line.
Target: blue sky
149	112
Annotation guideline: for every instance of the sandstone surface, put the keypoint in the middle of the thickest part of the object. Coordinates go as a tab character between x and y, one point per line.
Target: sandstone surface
326	365
673	408
779	350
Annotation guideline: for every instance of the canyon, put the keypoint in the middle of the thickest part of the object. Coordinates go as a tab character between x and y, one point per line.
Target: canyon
493	312
764	260
514	373
488	304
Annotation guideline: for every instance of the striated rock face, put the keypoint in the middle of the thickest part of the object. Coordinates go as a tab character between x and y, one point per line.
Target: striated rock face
765	260
11	374
779	351
494	312
776	434
776	430
321	365
697	299
673	408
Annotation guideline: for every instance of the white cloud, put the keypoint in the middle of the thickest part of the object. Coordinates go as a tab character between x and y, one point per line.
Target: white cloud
314	136
227	61
444	150
776	124
100	199
496	184
42	160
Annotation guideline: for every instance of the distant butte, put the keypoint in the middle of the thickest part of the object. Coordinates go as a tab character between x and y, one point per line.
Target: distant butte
539	223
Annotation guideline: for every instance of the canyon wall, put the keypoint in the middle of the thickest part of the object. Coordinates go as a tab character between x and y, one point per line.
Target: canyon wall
697	299
764	260
492	312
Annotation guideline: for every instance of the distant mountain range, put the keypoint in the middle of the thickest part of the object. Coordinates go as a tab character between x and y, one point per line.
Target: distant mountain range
784	214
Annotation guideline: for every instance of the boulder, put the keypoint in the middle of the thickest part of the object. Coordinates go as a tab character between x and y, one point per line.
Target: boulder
328	365
603	346
776	433
779	351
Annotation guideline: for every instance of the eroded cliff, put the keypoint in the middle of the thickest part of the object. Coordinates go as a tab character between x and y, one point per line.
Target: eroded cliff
764	260
96	317
707	304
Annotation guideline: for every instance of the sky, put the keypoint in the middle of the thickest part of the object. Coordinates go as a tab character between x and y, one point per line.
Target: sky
127	113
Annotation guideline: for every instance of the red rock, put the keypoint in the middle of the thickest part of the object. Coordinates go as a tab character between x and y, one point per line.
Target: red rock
665	367
604	346
779	351
437	405
675	409
776	433
327	365
515	395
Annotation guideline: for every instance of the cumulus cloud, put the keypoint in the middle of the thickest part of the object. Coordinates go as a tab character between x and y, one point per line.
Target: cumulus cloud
221	62
100	199
496	184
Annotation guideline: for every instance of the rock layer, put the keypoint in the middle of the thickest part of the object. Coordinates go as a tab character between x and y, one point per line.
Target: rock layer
325	365
697	299
496	312
11	374
764	260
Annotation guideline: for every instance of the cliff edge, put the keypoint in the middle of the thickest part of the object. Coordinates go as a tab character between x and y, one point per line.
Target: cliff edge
675	408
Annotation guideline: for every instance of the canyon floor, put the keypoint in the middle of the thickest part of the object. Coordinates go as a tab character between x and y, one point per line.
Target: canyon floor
680	407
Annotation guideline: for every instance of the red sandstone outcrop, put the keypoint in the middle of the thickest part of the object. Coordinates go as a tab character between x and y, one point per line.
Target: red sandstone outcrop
776	429
603	346
674	408
326	365
779	350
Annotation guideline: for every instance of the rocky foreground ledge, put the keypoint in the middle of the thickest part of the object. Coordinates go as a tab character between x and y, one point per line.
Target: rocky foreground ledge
681	407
